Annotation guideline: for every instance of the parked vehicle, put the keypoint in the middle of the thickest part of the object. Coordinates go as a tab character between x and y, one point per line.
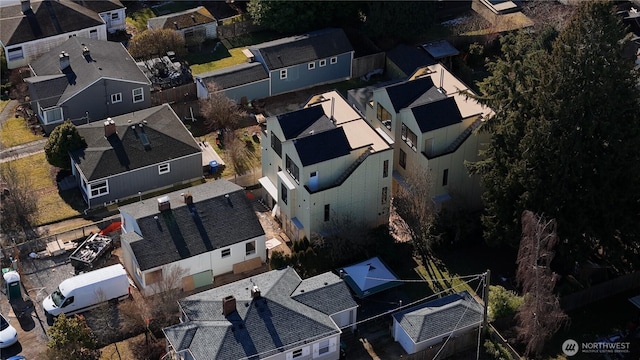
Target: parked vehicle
8	334
91	253
86	291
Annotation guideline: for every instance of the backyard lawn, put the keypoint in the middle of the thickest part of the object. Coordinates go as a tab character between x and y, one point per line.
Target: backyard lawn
208	59
15	132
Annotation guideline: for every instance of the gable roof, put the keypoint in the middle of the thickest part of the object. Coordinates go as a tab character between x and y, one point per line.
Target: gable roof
186	230
294	123
322	146
409	58
235	75
101	6
44	19
437	114
275	322
326	293
303	48
107	59
420	90
369	277
124	151
183	19
440	317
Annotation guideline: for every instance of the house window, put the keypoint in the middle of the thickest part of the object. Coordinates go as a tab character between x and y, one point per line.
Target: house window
99	188
311	65
297	353
409	137
334	60
226	253
384	116
323	347
15	54
164	169
327	212
283	193
53	115
385	168
322	62
114	16
93	34
138	95
403	159
250	248
276	144
445	177
116	98
383	199
153	277
283	74
292	169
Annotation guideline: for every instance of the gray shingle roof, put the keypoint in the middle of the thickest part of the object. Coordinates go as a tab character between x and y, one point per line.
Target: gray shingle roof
182	20
104	157
45	19
440	317
100	6
326	293
304	48
187	230
235	75
274	323
49	88
107	60
437	114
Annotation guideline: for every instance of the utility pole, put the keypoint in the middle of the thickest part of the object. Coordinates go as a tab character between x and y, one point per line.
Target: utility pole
487	280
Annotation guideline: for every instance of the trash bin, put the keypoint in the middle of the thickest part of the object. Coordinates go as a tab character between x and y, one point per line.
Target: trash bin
213	166
12	282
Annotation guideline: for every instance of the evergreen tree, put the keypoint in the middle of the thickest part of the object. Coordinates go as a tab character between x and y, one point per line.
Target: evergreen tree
63	139
301	16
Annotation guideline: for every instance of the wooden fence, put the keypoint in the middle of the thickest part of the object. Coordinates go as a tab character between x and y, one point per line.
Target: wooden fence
600	291
366	64
236	26
182	93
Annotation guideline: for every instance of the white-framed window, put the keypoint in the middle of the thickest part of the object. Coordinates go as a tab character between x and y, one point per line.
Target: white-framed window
116	98
323	347
93	34
250	248
334	60
52	115
226	253
164	168
322	62
311	65
99	188
297	353
138	95
115	16
15	54
283	74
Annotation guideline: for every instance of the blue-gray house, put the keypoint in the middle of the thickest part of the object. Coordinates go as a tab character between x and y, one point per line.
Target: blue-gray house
292	63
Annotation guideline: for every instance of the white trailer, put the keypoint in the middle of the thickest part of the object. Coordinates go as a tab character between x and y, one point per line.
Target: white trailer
87	291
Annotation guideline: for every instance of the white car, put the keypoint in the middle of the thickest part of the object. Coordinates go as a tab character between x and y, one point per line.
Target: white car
8	334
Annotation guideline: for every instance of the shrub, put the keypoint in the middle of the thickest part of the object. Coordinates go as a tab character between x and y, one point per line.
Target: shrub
496	351
503	303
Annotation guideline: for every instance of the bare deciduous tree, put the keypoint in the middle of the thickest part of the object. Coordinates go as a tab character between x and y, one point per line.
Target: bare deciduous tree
238	154
413	204
18	203
167	292
345	238
540	316
219	111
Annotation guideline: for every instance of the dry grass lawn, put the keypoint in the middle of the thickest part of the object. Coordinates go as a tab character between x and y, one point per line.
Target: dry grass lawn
51	207
15	132
3	104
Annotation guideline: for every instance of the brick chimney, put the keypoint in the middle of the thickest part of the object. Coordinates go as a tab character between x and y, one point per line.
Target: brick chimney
228	305
109	127
26	5
164	203
64	60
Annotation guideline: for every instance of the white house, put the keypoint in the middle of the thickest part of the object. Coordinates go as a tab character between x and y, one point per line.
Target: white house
206	230
111	11
192	23
30	29
323	166
274	315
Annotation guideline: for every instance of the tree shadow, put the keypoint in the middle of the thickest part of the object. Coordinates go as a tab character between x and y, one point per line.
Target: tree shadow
210	51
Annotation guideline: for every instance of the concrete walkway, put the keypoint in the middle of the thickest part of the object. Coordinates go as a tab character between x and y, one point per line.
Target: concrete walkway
21	151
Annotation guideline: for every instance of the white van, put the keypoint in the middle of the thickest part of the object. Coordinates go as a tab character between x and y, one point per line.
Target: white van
86	291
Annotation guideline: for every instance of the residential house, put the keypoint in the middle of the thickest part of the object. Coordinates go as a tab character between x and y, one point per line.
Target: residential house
292	63
85	80
433	125
135	153
241	83
369	277
30	29
439	328
324	167
194	24
274	315
111	11
205	230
